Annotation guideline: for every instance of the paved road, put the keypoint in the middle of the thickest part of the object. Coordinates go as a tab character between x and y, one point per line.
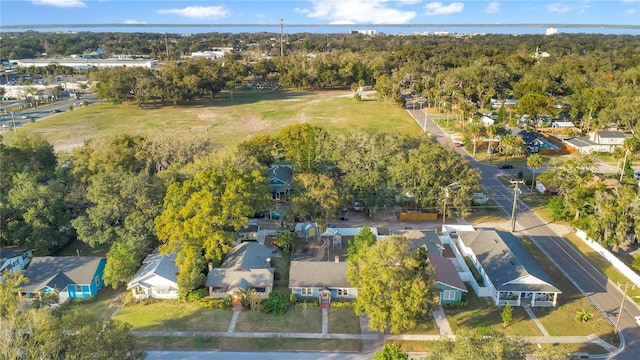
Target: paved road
244	355
43	111
595	286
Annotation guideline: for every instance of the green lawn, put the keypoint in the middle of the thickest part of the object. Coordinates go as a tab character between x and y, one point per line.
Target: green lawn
250	344
481	312
174	315
226	122
296	319
343	321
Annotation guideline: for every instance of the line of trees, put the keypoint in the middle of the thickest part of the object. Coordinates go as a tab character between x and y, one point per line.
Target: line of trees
132	194
593	79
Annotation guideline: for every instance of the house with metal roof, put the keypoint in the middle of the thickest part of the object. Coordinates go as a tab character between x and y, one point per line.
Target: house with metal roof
69	277
246	267
321	280
508	273
157	278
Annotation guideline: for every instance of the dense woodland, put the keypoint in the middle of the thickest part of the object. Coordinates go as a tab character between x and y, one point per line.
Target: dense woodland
133	194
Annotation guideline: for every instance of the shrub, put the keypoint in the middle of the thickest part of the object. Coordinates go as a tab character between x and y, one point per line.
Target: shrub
583	315
197	294
276	303
474	271
342	304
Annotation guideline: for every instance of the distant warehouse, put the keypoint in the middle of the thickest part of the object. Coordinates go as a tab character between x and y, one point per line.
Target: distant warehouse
87	63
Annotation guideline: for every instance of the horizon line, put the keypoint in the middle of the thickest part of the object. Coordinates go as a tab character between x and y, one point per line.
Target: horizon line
277	25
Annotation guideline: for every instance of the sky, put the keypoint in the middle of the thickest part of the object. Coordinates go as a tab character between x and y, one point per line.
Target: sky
317	12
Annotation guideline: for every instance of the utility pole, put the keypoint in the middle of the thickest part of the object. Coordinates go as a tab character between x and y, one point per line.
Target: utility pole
444	207
624	298
281	37
515	204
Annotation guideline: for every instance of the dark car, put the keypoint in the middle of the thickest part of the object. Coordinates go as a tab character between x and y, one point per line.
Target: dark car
505	166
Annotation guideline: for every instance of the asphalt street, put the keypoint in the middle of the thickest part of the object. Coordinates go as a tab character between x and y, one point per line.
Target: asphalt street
605	295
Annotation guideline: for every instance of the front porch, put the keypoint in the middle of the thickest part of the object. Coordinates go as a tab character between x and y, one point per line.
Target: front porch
526	298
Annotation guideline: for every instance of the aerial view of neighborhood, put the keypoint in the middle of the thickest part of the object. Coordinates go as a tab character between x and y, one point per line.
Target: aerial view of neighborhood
350	194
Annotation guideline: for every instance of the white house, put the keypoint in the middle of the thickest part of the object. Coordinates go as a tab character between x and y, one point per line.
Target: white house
13	258
157	278
507	272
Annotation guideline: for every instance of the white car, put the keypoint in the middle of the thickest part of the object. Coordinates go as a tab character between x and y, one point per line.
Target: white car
636	175
356	206
637	320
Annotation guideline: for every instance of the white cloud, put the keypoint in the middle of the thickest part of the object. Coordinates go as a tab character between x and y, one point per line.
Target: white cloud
131	21
630	1
357	11
60	3
632	11
408	2
493	7
198	12
438	8
559	8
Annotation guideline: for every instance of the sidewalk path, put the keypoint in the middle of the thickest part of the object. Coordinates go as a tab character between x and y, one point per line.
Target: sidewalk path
234	320
441	321
371	341
325	321
535	320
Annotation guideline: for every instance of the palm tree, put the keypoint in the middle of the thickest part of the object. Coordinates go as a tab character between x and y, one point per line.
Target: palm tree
492	131
534	162
583	315
475	130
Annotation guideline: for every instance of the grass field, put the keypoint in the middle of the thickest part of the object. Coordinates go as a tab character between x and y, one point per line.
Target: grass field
252	344
226	122
174	315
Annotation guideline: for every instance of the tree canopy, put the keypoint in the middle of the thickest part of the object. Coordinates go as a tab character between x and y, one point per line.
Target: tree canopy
395	284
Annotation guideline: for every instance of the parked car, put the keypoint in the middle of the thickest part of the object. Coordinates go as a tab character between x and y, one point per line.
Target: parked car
505	166
636	175
356	206
458	144
637	320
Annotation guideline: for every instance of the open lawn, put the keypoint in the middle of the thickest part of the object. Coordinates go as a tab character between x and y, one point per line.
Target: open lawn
482	313
174	315
296	319
226	122
250	344
343	321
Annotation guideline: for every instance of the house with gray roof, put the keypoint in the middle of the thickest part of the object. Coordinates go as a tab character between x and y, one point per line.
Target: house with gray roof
69	277
246	267
322	280
509	273
598	141
157	278
280	179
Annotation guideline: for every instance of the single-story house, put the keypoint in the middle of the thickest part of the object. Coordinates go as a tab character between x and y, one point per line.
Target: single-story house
246	267
156	278
581	144
508	272
322	280
249	232
13	258
70	277
448	282
280	179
